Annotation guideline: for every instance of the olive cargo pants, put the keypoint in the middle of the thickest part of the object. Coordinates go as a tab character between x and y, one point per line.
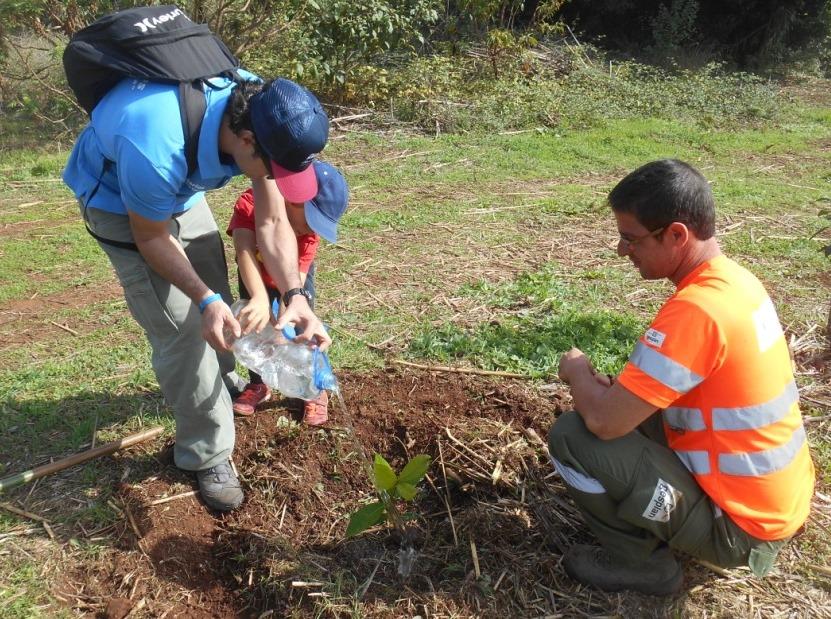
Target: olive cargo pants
636	494
193	377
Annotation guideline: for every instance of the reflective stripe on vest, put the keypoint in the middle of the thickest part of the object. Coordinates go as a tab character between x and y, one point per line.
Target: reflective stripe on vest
684	418
759	415
697	462
758	463
735	418
663	369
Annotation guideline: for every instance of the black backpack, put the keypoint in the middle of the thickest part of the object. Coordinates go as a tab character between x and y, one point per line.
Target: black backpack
156	43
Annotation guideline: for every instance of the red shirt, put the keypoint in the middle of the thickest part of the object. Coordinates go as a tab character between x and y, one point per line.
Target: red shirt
243	218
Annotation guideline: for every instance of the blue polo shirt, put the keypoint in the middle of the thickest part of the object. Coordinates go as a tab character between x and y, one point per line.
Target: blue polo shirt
138	127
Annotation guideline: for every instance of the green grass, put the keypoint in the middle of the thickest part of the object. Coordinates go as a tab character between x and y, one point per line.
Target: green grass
544	317
22	594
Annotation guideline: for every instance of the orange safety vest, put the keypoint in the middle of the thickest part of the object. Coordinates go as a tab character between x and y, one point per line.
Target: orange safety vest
716	361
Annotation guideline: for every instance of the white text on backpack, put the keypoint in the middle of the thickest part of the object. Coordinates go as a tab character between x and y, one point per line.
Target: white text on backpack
151	22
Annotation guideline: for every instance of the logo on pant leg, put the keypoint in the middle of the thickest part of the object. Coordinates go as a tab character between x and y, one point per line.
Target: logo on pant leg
663	502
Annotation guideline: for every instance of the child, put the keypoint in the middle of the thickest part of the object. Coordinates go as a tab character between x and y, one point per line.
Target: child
317	217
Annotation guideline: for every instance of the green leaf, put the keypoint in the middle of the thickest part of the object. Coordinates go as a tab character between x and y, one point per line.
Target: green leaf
415	470
406	491
385	477
367	516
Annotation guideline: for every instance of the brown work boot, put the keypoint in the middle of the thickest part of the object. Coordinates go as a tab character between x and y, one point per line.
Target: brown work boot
594	566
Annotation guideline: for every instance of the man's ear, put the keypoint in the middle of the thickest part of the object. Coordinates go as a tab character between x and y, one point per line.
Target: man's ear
679	233
247	136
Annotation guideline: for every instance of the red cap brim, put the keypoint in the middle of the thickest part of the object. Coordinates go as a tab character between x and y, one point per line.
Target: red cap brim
296	187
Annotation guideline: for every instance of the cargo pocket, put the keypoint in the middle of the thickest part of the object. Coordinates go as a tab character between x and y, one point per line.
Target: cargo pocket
144	303
660	498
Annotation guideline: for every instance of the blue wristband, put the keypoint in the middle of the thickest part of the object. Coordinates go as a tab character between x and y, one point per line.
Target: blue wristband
208	300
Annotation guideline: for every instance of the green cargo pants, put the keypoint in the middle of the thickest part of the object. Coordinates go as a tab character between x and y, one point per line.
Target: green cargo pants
193	377
636	494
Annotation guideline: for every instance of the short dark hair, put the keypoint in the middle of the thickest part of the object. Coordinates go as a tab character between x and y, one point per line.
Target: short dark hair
665	191
238	111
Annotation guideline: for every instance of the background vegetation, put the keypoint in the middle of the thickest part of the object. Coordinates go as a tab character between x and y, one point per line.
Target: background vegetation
450	65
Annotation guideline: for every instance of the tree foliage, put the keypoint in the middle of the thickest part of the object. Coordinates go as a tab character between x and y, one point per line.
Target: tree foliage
751	33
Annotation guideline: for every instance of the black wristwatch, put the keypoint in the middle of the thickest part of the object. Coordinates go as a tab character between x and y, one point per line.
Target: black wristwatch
295	291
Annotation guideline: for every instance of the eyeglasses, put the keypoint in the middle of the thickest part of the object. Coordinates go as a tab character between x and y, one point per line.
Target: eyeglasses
630	243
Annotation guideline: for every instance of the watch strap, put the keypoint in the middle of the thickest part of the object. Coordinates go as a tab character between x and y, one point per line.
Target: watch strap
287	296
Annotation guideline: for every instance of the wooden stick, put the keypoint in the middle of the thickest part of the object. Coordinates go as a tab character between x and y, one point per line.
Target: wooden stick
475	556
64	327
175	497
7	483
444	368
369	580
132	521
19	512
713	568
535	438
824	403
822	569
350	117
447	495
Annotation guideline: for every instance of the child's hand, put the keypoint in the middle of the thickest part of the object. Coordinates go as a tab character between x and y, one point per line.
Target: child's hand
255	315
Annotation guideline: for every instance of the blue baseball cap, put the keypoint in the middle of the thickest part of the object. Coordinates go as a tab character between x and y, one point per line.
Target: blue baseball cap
325	209
291	127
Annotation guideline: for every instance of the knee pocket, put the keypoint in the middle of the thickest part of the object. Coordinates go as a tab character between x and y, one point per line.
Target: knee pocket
663	500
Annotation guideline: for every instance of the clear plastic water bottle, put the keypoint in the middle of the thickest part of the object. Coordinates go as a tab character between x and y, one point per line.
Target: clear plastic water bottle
294	369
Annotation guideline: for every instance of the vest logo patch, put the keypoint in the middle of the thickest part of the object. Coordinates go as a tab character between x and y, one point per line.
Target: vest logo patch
663	502
768	328
656	338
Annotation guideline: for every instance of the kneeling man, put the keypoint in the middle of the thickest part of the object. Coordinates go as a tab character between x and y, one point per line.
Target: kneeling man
698	446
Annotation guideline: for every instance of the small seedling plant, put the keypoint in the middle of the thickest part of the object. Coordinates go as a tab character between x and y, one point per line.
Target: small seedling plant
391	488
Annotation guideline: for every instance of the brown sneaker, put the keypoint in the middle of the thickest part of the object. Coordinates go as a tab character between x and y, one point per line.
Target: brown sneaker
594	566
316	412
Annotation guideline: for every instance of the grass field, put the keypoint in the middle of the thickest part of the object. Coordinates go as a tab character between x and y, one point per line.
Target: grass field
495	251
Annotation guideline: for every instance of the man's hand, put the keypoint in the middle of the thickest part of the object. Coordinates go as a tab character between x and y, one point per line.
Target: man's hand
573	364
255	315
301	315
216	320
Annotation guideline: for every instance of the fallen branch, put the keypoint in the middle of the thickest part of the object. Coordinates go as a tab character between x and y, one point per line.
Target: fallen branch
444	368
7	483
19	512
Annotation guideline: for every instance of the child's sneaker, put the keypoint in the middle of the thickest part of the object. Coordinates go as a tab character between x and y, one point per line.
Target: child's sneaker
253	394
316	412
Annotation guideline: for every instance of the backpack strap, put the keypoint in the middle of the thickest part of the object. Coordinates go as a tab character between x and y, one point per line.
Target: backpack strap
192	108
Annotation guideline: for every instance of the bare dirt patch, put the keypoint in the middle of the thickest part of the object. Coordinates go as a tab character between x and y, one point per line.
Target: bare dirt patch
25	321
491	491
